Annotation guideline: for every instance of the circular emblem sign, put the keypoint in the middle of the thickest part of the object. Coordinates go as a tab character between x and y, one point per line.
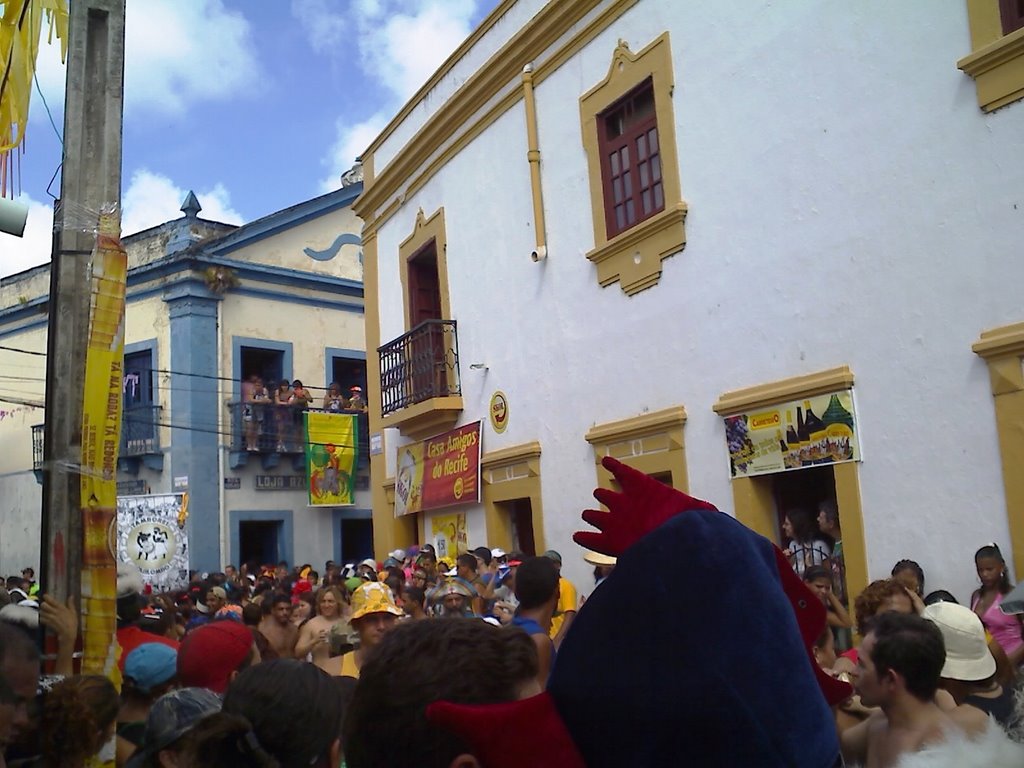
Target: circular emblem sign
499	411
152	545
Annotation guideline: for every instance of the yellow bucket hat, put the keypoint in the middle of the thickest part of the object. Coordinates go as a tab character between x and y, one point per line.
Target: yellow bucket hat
373	597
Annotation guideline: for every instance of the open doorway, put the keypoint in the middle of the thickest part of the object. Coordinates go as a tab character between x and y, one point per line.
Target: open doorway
519	513
356	539
347	373
806	489
268	364
260	541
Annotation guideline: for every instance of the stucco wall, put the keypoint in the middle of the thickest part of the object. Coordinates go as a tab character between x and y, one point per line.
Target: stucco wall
848	204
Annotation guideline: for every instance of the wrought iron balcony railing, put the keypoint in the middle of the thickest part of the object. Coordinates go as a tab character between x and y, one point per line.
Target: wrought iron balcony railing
420	365
140	430
271	428
37	447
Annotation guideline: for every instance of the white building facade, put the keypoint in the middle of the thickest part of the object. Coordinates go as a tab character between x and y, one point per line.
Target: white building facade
830	201
208	306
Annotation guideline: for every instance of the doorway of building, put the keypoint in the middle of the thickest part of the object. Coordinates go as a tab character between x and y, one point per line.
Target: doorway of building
805	488
429	374
520	516
356	540
260	541
268	364
348	373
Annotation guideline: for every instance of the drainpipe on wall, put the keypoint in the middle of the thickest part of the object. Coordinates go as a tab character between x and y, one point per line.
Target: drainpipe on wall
540	252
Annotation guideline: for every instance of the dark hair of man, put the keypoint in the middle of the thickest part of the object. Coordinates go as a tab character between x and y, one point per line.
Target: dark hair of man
280	713
416	594
278	598
483	553
394	582
17	645
912	647
386	723
992	552
467	560
251	614
129	609
536	582
830	509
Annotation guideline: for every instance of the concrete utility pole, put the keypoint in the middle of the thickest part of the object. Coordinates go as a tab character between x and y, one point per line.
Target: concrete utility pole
91	177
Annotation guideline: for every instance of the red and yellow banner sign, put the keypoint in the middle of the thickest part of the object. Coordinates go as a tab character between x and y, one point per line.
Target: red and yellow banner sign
101	438
331	448
440	472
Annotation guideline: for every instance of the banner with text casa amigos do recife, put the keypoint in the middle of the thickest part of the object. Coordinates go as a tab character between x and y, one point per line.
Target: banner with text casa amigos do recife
440	472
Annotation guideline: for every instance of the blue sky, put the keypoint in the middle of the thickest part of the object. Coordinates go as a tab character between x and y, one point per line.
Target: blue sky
254	104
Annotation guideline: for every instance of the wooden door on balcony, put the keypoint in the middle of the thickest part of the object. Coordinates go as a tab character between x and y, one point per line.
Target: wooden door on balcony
429	374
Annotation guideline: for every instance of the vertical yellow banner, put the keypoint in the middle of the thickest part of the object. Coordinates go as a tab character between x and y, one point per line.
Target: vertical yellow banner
101	434
331	440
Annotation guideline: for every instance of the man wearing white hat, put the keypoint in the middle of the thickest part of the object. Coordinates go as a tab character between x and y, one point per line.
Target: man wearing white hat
969	674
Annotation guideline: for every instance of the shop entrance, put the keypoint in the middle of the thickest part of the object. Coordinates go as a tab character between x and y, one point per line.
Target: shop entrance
356	540
802	489
260	541
519	513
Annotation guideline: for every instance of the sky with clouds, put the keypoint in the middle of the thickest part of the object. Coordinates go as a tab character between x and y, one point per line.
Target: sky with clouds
256	105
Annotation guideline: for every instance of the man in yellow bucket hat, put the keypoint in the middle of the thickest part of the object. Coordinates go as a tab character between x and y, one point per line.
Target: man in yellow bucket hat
374	613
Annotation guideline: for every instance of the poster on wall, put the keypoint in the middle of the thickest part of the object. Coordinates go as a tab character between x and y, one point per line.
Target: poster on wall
440	472
794	435
448	535
151	535
331	440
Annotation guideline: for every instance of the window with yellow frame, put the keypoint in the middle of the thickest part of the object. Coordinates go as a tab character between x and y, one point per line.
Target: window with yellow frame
996	61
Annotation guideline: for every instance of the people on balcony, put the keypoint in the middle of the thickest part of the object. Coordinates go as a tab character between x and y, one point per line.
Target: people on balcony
254	397
356	401
334	401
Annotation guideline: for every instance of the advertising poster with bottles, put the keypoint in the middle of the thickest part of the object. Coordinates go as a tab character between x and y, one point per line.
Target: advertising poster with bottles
794	435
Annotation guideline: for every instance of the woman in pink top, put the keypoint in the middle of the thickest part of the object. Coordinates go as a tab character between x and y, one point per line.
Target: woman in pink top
1008	631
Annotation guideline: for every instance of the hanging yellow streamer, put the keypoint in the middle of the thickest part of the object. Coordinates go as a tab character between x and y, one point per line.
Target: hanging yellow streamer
101	434
20	28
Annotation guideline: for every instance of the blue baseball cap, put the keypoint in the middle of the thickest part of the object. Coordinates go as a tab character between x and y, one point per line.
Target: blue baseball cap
150	665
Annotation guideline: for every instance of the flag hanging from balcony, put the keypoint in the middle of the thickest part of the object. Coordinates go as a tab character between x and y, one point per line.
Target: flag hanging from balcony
331	454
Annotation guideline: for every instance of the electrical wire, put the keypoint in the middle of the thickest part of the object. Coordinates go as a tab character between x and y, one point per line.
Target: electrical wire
35	76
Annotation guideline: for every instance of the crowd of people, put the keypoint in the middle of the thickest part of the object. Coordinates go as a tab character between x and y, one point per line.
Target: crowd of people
271	412
282	666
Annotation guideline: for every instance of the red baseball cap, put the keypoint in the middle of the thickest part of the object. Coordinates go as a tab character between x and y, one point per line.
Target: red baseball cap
211	652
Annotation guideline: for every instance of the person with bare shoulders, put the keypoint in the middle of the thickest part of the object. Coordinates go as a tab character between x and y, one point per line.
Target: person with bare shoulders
374	614
315	635
277	627
898	670
537	589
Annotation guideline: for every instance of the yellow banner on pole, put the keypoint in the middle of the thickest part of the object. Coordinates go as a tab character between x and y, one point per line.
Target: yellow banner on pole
101	434
331	440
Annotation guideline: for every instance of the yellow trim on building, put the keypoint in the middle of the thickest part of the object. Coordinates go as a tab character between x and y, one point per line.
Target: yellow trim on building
633	258
1002	349
511	474
753	499
452	127
996	61
651	443
424	232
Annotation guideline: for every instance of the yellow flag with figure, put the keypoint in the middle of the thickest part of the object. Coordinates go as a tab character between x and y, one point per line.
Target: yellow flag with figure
331	455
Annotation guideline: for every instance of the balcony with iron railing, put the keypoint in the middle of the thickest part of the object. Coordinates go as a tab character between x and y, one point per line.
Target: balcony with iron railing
139	446
420	384
270	431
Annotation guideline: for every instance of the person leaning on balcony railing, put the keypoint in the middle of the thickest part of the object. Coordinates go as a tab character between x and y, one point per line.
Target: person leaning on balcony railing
334	401
357	403
253	392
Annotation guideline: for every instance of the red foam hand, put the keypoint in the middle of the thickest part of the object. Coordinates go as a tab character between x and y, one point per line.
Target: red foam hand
812	617
512	734
643	505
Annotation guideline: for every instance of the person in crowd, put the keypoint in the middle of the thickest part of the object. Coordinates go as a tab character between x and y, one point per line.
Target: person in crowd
303	609
216	598
356	400
168	726
1008	631
250	393
150	671
502	588
78	721
503	612
819	579
387	722
315	636
334	400
910	575
426	560
374	614
129	611
277	626
898	670
284	418
414	603
213	655
1006	674
19	671
466	570
568	601
806	546
301	397
284	713
603	565
367	569
880	596
453	599
969	673
537	589
29	575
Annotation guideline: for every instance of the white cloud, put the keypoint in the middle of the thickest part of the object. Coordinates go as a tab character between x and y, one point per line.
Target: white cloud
401	43
176	54
153	199
20	253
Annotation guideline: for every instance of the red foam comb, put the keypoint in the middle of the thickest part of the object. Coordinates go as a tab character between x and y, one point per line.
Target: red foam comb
512	734
643	505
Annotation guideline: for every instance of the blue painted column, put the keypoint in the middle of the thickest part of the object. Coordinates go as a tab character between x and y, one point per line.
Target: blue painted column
195	407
